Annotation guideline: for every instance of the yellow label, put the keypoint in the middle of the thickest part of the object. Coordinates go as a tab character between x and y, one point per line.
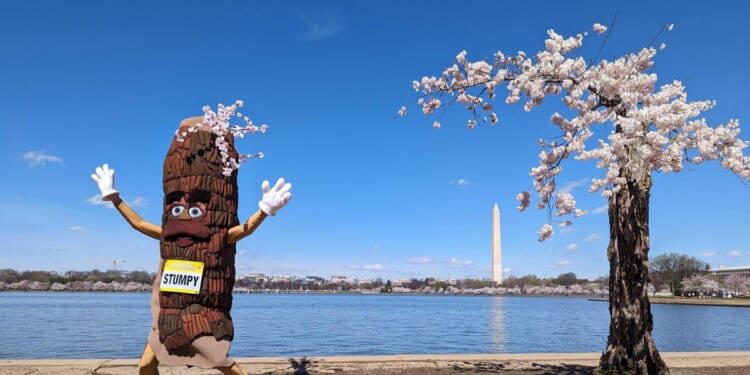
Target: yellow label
182	276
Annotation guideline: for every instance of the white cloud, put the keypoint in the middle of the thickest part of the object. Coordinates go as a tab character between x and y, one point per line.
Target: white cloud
592	237
734	253
367	267
420	260
564	262
139	201
241	252
600	210
507	270
460	263
96	200
461	181
40	158
321	25
75	228
567	229
708	254
572	247
570	185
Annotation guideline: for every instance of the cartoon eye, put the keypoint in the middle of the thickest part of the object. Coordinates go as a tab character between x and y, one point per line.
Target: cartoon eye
177	210
195	212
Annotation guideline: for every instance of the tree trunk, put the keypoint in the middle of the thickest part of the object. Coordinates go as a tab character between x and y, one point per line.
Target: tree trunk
630	346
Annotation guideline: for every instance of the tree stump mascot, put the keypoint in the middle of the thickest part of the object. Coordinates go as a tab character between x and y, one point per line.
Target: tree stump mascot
192	293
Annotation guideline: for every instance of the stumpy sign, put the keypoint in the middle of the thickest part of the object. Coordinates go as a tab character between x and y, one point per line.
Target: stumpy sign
192	293
182	276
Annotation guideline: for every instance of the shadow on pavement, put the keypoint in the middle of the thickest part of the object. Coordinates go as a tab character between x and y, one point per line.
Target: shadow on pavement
537	369
297	367
300	367
562	369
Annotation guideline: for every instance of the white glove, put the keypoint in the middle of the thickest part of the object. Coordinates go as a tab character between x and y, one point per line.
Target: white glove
274	199
105	180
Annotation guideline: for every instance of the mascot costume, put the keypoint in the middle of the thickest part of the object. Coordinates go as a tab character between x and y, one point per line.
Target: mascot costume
192	292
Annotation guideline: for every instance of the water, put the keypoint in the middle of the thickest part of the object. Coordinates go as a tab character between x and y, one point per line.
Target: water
115	325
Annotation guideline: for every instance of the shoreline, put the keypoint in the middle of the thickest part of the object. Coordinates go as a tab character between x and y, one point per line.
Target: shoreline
724	302
736	301
681	363
732	302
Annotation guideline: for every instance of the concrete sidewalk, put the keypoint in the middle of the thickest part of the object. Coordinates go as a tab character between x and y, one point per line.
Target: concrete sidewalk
681	363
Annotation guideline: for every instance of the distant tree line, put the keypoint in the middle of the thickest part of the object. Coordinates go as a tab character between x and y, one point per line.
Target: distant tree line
10	276
677	273
309	285
563	279
563	284
430	284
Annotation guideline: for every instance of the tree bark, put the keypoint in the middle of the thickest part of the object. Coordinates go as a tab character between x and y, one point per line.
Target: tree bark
630	346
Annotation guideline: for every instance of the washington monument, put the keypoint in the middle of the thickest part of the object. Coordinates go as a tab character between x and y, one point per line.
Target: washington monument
497	252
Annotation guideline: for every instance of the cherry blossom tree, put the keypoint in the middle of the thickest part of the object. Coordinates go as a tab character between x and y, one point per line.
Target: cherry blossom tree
737	283
700	283
691	284
641	129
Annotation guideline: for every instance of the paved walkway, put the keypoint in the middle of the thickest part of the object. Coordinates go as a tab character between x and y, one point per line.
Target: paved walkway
681	363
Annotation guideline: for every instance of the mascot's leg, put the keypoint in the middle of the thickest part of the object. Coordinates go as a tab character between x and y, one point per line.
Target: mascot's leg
234	370
148	363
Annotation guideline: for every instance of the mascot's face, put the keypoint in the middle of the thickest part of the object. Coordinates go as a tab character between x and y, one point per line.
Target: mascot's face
185	217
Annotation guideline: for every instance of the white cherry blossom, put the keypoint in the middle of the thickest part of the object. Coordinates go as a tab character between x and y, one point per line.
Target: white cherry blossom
219	123
618	116
545	232
599	28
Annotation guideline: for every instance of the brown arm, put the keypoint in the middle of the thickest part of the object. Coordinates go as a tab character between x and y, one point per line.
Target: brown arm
241	231
135	220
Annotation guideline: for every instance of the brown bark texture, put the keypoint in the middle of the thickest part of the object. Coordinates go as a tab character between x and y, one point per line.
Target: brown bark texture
630	345
195	165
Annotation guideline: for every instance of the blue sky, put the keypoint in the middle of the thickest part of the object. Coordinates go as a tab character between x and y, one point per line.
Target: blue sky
375	195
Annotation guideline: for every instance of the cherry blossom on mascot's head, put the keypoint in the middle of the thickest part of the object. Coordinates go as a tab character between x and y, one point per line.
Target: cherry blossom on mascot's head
192	293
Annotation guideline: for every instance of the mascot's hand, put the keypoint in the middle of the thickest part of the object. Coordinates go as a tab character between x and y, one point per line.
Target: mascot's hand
105	180
276	197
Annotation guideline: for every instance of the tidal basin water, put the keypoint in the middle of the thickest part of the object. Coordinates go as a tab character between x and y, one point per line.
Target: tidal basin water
115	325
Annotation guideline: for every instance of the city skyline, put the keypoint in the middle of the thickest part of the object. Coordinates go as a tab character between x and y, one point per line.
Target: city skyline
375	194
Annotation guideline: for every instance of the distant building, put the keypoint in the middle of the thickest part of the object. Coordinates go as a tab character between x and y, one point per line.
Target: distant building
339	279
254	278
400	282
281	279
363	281
724	271
314	280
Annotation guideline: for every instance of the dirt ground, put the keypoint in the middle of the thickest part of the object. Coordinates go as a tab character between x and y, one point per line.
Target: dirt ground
696	363
465	368
481	367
